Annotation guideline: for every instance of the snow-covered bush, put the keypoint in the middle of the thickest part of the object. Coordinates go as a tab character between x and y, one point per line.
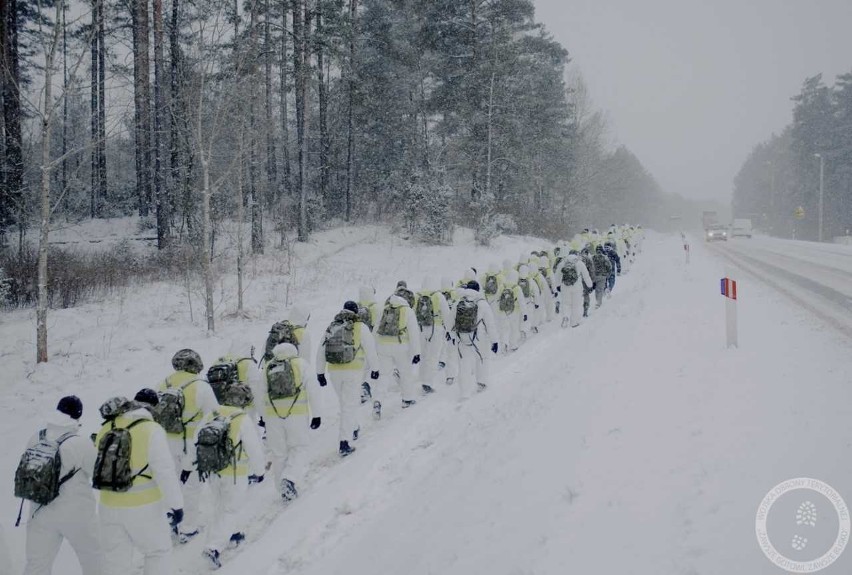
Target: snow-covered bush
429	215
5	287
491	226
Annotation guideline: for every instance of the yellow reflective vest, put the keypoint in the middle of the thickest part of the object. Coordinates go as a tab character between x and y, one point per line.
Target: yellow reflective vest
144	490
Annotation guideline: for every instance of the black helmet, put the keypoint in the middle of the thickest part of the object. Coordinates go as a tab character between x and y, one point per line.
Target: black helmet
148	396
71	406
351	306
187	360
473	284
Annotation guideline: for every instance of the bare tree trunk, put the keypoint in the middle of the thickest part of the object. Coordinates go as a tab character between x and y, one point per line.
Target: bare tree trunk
350	140
256	213
46	169
207	255
323	108
11	196
64	180
241	216
301	25
142	101
273	195
93	192
175	107
102	166
287	180
161	193
490	130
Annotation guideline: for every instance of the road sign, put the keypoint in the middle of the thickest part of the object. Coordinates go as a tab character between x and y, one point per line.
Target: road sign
799	213
729	290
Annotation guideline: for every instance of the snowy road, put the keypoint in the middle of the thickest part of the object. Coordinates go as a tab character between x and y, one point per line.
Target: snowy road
818	276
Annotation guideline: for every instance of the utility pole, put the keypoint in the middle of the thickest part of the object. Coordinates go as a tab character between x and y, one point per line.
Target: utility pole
821	189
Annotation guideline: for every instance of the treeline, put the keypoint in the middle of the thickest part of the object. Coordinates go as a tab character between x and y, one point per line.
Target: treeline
782	174
291	113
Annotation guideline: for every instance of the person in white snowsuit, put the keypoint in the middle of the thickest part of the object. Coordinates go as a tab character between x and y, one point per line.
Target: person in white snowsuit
491	283
287	420
346	378
229	487
449	360
398	348
71	515
547	308
476	347
533	300
137	519
571	296
511	309
199	400
434	336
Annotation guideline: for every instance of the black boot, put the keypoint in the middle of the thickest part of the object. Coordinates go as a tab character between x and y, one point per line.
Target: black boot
345	449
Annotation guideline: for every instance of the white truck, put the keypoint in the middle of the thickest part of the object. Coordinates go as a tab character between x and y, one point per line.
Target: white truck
741	227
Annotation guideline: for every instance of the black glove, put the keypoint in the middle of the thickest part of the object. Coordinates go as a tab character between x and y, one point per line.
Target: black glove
416	359
558	289
449	338
494	348
374	375
315	422
322	380
254	479
536	306
261	423
525	317
184	477
175	517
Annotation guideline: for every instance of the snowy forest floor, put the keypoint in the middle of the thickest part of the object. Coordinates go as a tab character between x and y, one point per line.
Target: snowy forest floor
635	443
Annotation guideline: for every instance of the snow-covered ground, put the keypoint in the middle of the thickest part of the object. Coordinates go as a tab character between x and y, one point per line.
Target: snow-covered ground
635	443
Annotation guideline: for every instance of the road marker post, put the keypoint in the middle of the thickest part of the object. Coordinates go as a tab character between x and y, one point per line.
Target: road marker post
729	290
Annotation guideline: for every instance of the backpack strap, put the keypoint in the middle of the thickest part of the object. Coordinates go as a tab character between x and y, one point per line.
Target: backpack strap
133	424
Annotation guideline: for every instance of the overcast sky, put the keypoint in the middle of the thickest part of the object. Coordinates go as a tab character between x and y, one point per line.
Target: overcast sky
690	86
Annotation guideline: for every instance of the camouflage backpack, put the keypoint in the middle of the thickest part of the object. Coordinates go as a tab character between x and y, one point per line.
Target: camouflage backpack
224	379
281	332
569	274
340	340
38	477
490	285
113	471
281	380
215	450
602	265
425	311
169	411
467	312
389	324
507	301
524	284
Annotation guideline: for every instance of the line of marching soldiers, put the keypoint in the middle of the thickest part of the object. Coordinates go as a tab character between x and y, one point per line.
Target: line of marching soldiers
155	454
